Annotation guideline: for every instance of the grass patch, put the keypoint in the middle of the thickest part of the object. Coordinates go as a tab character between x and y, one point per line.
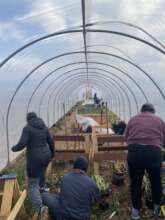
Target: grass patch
92	109
89	109
113	117
57	126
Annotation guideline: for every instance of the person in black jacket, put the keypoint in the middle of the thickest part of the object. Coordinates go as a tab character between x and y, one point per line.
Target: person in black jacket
39	152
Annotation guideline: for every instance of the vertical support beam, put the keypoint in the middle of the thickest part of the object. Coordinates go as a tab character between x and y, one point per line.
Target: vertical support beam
64	118
49	170
101	121
107	119
94	150
87	143
16	197
65	124
84	36
7	198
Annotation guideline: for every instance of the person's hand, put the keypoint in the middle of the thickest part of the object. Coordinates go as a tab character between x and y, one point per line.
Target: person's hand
13	149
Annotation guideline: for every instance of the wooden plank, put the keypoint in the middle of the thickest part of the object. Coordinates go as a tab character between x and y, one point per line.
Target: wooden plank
49	170
110	138
114	156
114	148
70	151
7	197
87	143
17	206
94	149
69	138
118	155
16	196
69	156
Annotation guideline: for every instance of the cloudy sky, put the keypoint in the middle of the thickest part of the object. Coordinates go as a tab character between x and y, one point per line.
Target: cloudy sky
22	21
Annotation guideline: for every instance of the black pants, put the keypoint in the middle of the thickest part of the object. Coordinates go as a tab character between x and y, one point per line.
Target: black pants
143	158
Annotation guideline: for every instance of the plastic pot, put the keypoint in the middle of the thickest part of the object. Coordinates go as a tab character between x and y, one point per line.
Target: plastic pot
118	178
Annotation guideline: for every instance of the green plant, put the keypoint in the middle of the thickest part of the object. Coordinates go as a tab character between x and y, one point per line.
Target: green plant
101	182
119	167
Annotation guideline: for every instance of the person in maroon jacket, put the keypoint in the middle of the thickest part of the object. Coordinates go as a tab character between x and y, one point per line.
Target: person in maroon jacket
145	136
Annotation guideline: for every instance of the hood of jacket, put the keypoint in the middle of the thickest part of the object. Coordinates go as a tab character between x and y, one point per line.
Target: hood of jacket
37	123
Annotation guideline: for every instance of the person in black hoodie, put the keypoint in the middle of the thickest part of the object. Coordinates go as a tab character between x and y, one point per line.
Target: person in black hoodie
39	152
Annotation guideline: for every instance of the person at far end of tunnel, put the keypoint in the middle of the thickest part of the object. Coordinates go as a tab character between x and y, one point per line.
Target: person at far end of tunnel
39	152
145	136
77	194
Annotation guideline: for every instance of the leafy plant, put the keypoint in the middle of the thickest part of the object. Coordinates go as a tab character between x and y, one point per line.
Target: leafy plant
100	182
119	167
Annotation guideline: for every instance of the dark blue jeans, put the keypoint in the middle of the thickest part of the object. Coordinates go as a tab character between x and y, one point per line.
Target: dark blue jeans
34	185
143	158
51	200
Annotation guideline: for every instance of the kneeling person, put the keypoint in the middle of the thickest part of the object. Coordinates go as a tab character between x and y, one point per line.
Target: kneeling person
77	193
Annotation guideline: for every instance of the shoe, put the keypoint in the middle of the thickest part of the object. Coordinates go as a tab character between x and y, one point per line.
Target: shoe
157	211
135	214
44	189
44	213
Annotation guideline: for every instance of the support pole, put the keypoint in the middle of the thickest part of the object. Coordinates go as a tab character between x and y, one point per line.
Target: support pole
107	119
65	119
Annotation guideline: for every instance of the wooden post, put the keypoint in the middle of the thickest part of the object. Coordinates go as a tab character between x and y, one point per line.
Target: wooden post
7	198
107	119
17	206
12	199
49	170
65	119
101	116
65	125
87	143
16	196
94	149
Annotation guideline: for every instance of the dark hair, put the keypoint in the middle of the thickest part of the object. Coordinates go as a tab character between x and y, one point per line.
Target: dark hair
30	116
81	163
148	107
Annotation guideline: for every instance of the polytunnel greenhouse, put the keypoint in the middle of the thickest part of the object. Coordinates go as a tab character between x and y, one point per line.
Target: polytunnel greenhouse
57	56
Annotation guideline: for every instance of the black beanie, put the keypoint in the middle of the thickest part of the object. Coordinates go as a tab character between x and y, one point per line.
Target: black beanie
31	115
148	107
81	163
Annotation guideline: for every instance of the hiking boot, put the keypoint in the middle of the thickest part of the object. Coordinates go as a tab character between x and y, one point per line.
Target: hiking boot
44	189
158	212
135	214
44	213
